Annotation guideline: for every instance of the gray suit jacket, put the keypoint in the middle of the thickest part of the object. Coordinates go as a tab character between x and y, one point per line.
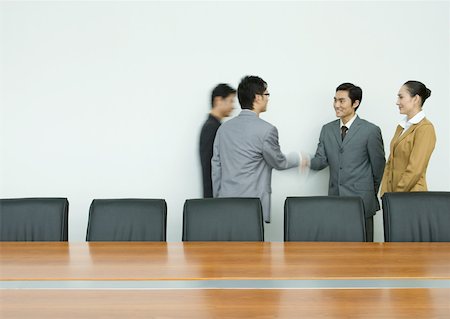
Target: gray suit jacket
246	149
356	164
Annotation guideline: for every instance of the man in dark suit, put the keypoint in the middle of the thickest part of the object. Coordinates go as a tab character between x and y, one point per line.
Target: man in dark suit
222	104
353	149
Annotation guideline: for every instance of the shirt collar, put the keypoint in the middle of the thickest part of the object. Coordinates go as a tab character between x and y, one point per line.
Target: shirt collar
349	123
213	118
414	120
248	112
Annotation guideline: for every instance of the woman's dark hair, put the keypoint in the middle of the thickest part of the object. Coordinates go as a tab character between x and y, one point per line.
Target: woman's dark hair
354	92
418	88
249	87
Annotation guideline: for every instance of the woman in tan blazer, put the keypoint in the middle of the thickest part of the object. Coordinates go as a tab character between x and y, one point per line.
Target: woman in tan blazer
412	144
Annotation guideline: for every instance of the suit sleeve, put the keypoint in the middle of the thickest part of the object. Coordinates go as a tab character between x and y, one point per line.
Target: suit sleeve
216	169
272	153
320	160
206	151
375	149
385	179
425	140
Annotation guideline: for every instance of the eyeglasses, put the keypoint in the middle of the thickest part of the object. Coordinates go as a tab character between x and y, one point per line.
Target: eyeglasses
266	94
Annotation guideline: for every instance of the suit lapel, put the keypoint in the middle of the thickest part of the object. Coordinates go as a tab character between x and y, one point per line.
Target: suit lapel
401	137
356	125
394	141
337	132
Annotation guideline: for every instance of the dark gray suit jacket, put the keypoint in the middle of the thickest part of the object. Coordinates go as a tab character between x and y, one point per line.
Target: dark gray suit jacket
356	164
246	149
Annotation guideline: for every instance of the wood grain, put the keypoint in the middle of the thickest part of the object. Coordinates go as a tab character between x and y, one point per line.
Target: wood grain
221	261
226	303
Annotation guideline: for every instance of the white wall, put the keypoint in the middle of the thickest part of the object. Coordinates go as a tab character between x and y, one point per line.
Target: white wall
106	100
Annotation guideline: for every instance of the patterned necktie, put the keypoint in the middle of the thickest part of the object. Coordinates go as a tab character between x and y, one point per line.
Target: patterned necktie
344	130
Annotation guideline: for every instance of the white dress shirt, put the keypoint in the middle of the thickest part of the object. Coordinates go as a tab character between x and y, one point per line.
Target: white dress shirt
406	124
349	123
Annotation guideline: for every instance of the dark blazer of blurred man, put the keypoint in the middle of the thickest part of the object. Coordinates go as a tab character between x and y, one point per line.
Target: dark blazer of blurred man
222	104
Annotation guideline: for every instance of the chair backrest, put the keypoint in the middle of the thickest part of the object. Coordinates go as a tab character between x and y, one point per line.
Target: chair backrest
324	218
416	216
34	219
127	220
223	219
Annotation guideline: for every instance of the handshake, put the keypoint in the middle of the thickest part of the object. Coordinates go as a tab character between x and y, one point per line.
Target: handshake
305	161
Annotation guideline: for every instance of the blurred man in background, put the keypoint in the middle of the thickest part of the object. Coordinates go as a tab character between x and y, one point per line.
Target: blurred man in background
222	104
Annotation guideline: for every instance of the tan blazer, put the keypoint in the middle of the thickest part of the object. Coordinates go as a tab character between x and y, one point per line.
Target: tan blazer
410	153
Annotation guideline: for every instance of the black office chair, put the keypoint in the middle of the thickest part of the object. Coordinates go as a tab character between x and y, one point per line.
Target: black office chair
223	219
416	216
324	218
127	220
34	219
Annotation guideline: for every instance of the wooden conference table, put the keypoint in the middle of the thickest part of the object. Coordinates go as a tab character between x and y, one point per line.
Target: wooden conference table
222	261
226	303
217	261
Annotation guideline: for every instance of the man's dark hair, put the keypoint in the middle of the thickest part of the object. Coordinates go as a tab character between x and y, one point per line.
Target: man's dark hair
223	90
418	88
354	92
249	87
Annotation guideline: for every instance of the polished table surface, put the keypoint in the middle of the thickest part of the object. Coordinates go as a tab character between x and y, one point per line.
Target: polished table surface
222	261
226	303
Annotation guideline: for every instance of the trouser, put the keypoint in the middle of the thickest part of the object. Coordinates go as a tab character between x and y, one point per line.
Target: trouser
369	228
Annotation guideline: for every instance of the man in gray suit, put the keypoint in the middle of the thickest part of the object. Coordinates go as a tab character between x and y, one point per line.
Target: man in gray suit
353	149
246	149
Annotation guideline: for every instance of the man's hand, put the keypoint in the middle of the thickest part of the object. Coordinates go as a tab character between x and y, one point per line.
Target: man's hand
305	163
